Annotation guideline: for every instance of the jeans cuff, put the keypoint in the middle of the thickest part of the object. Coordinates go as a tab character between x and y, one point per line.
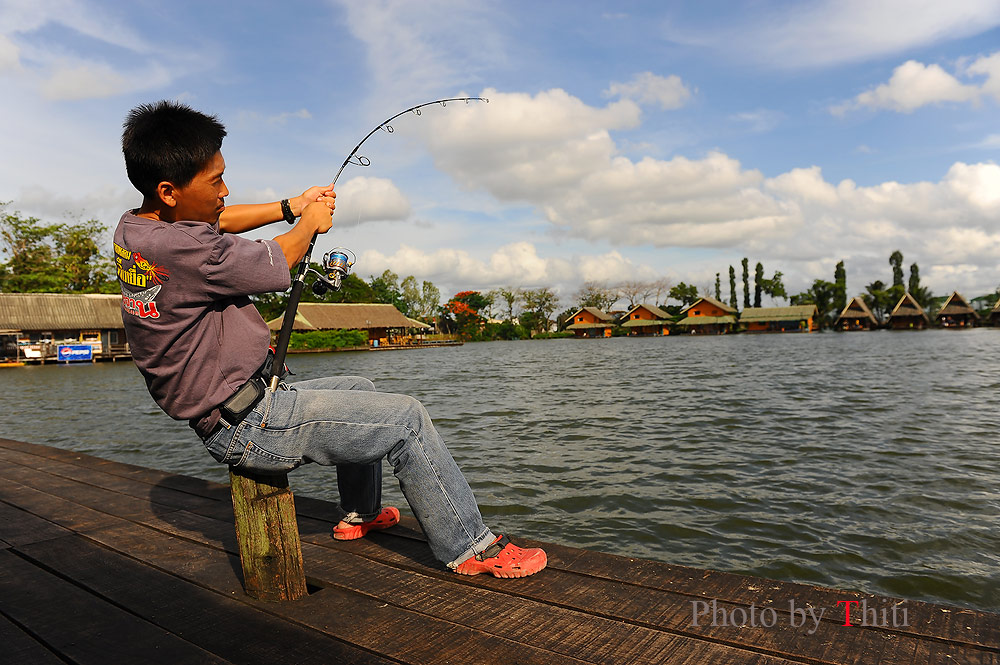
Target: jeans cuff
480	544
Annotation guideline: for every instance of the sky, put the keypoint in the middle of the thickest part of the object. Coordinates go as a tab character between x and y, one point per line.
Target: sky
621	141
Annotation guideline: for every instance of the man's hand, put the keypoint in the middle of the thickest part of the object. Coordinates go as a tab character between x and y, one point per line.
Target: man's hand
316	218
318	215
323	193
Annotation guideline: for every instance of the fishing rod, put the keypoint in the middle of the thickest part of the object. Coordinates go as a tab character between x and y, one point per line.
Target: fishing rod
336	262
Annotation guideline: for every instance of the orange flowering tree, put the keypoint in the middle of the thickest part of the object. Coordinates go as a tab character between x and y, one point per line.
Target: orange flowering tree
461	313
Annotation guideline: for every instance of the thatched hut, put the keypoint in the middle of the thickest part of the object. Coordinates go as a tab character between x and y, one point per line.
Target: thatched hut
956	313
382	322
856	316
794	318
908	315
708	316
646	320
36	325
591	322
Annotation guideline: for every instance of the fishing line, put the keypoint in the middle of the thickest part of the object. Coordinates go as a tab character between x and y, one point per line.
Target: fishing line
338	261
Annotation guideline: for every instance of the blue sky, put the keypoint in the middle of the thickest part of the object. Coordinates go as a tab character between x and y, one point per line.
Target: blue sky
632	141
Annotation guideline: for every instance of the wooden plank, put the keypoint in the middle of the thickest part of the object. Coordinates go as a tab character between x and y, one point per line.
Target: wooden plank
18	527
189	484
99	479
54	509
366	622
81	627
19	647
826	641
221	625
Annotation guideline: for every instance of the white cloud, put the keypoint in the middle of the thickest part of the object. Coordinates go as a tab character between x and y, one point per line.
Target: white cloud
362	199
516	264
830	32
426	49
648	88
10	59
912	86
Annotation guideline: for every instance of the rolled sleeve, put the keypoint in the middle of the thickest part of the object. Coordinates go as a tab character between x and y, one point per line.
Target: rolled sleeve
238	266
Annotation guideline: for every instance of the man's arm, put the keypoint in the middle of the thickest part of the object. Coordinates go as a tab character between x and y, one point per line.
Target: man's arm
249	216
315	219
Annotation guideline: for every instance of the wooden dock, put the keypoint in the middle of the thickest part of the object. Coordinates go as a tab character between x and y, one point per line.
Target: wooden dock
103	562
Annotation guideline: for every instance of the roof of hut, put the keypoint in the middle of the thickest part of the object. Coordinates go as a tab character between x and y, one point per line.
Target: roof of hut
600	315
705	320
857	309
908	306
60	311
956	305
652	309
345	316
721	305
765	314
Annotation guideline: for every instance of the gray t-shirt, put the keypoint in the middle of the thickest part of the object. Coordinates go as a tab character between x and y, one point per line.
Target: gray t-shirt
194	333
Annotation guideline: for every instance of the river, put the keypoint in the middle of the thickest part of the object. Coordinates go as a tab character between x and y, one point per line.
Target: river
863	461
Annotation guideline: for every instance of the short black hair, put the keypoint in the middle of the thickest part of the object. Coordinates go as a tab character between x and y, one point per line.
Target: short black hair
168	141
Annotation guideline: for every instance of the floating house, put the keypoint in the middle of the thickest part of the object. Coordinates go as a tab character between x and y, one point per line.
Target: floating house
646	320
908	315
384	324
62	327
956	313
708	316
995	314
591	322
856	316
795	318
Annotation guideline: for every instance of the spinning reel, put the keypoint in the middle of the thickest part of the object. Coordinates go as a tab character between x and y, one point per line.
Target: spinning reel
336	265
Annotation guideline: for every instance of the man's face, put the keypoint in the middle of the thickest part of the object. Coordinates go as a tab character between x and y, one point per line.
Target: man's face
203	199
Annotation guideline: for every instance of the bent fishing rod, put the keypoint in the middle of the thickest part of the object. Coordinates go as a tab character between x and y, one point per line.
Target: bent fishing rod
337	262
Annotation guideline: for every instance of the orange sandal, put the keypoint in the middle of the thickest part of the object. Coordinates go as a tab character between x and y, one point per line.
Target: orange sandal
504	559
346	531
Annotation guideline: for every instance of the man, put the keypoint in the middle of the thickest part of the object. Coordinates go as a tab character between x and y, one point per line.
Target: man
201	345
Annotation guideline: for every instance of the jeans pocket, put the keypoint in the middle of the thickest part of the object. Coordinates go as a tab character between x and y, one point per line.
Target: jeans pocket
256	458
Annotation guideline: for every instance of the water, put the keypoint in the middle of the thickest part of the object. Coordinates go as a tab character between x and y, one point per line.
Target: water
863	461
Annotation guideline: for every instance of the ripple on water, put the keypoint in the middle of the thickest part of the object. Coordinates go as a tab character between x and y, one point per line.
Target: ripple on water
865	462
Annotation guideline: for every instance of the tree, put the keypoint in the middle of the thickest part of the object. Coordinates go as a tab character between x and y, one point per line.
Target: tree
660	289
920	293
465	307
879	300
718	288
758	279
896	261
386	289
687	294
430	300
821	294
409	292
746	282
51	258
540	304
636	292
840	282
732	287
511	295
596	294
774	287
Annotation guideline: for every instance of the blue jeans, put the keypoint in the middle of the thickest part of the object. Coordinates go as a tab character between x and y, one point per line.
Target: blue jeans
342	421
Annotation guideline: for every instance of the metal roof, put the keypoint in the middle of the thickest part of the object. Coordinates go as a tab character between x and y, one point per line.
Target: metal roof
60	311
345	316
639	323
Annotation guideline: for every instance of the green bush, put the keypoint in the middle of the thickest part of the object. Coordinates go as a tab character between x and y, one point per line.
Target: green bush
328	339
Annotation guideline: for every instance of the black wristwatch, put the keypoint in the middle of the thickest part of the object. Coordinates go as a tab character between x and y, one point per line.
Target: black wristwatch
286	212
